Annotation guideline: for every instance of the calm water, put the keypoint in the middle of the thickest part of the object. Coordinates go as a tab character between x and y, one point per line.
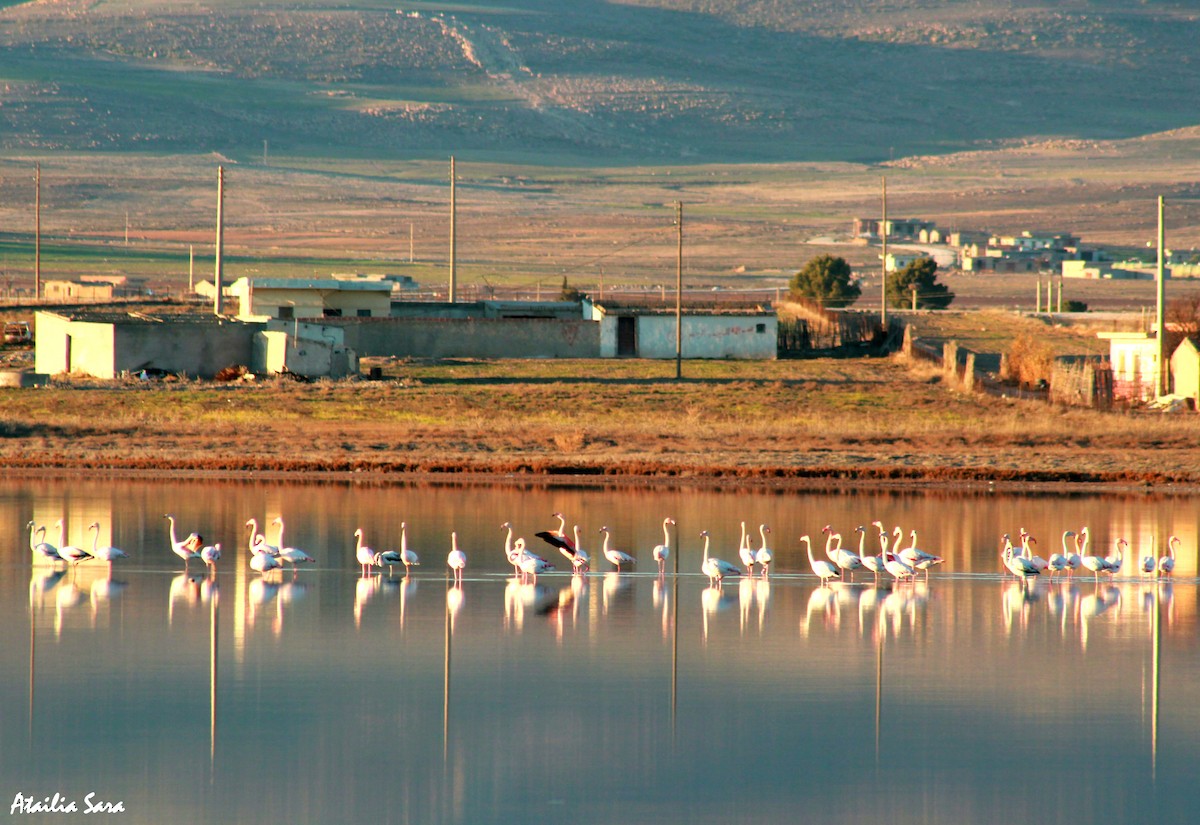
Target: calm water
327	697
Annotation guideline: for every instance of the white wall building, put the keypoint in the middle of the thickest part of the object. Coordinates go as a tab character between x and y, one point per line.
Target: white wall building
641	332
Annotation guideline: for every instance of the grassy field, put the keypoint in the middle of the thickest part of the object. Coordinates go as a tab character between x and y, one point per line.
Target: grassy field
863	420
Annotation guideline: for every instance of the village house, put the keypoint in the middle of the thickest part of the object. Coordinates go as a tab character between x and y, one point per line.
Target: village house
94	288
641	331
1134	359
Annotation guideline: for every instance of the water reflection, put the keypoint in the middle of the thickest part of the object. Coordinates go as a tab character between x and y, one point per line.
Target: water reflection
569	678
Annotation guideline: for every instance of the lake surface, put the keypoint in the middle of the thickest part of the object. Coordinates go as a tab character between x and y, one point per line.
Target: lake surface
329	697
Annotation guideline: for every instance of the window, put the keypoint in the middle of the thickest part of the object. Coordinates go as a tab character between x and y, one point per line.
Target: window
332	313
364	313
760	328
286	313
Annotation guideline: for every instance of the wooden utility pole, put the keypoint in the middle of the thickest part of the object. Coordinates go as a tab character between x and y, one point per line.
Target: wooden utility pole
883	233
410	242
191	268
679	290
1160	325
219	256
453	237
37	231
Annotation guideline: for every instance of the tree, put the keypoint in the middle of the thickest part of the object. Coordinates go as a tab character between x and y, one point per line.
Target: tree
922	275
569	293
827	280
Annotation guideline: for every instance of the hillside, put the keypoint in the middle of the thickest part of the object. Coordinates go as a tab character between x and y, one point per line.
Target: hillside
586	82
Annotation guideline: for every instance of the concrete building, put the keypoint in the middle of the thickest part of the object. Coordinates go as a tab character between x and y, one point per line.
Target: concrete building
97	288
1134	359
261	299
108	345
650	332
1185	370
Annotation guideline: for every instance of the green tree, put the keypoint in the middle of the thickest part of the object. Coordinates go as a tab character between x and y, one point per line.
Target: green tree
921	274
569	293
828	280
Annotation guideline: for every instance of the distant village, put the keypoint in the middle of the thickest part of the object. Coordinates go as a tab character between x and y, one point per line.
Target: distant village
1054	253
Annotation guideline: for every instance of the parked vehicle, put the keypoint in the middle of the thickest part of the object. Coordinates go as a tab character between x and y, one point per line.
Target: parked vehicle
17	332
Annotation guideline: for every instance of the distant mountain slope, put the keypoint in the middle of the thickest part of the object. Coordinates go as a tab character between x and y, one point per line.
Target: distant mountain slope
637	81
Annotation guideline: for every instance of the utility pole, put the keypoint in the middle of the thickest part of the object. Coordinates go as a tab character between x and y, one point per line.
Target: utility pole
453	238
264	152
410	242
127	227
218	281
679	290
37	231
191	268
1160	324
883	233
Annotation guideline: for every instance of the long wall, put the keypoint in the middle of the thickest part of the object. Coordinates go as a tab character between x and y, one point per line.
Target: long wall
472	337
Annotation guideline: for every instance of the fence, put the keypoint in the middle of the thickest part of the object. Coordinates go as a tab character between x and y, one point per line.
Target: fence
805	328
1082	385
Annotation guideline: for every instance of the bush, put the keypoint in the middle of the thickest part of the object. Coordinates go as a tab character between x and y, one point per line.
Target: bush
1030	360
826	280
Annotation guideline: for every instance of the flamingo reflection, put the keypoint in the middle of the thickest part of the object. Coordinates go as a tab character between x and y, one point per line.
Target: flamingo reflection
713	600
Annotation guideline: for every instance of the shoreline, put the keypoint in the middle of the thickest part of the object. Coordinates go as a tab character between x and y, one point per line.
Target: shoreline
808	479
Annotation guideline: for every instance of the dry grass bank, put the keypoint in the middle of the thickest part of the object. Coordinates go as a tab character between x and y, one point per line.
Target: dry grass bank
876	419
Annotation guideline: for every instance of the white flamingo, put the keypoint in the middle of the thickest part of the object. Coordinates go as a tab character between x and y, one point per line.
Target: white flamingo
825	570
558	538
763	555
69	552
264	562
42	550
716	569
457	560
844	559
895	566
531	564
1059	562
211	555
1112	564
580	561
1166	565
364	554
872	563
745	553
108	554
1093	563
916	558
1017	564
408	557
258	542
293	555
614	556
1149	563
662	552
187	549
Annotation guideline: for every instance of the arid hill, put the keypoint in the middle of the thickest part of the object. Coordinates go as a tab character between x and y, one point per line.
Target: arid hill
639	81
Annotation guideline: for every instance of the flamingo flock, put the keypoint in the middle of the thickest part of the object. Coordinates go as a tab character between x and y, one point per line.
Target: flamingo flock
880	553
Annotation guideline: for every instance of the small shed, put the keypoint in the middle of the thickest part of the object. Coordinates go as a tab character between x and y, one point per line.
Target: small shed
1185	370
649	332
260	299
1134	358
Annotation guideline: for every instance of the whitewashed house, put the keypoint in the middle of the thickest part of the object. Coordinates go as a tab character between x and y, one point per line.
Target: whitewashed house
650	332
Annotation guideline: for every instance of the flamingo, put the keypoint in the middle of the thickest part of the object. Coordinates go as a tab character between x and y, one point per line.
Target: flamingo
1166	565
580	561
872	563
1112	564
1149	563
1018	564
1038	562
716	569
1061	561
744	551
844	559
895	566
457	560
294	555
917	558
662	551
530	563
558	538
407	556
615	556
211	555
108	554
824	569
1094	563
69	552
763	555
42	550
258	542
264	562
364	554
